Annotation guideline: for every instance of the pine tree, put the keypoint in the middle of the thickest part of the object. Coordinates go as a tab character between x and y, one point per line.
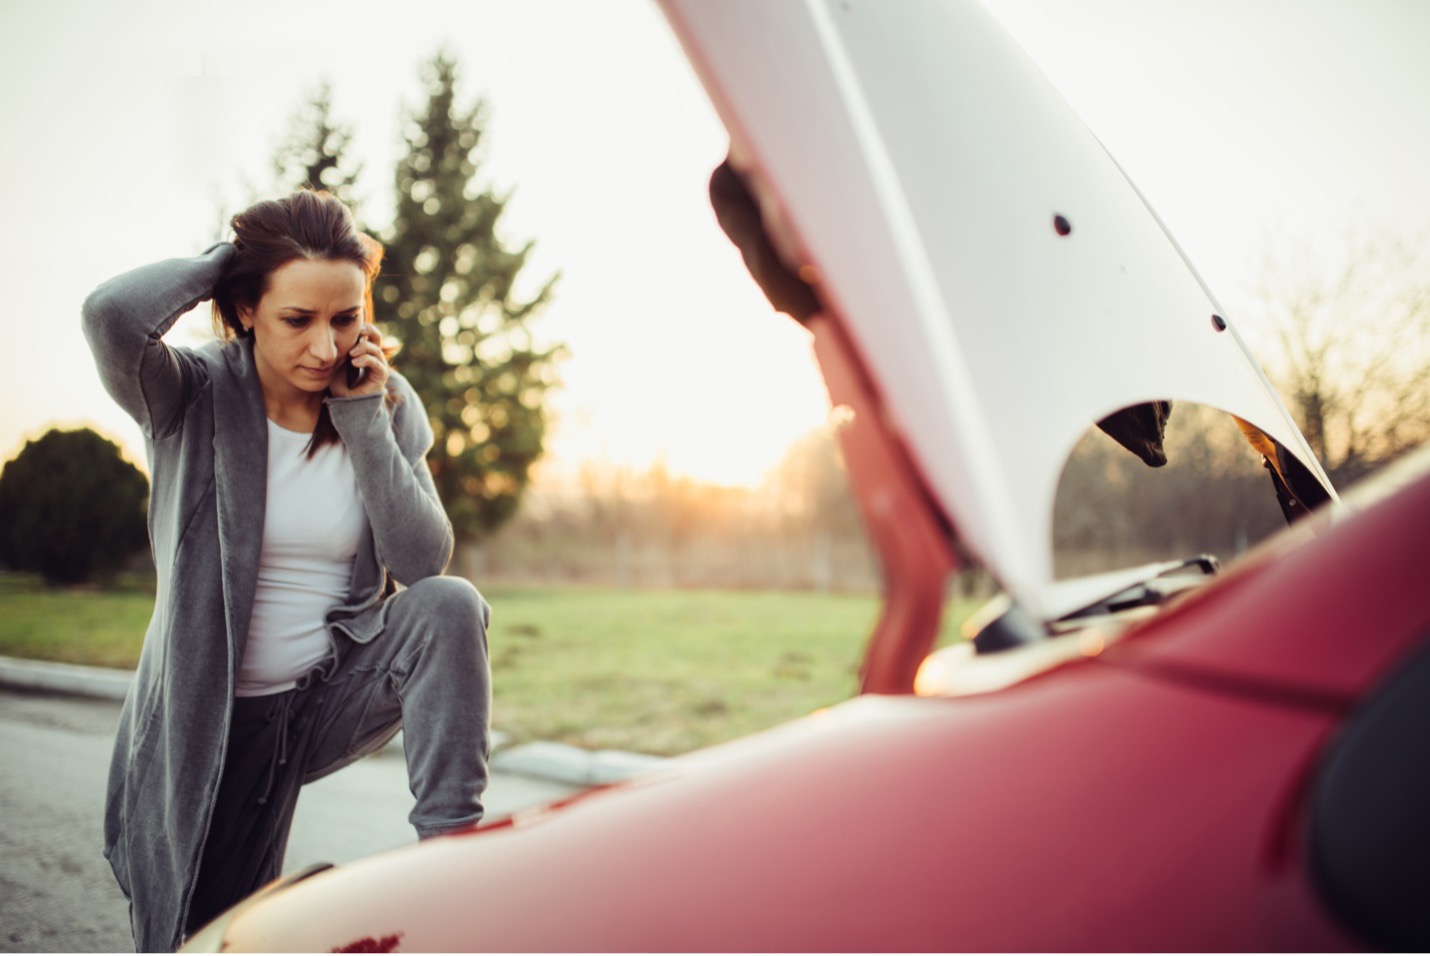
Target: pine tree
448	293
315	154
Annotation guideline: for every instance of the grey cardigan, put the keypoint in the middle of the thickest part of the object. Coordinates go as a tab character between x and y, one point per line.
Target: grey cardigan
205	430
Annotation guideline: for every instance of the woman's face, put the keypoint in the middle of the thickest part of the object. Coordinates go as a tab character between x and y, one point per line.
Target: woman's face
305	324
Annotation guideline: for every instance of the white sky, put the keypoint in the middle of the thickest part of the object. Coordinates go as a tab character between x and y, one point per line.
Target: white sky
126	123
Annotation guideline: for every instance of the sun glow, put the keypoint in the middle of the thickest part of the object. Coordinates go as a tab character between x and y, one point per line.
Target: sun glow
725	412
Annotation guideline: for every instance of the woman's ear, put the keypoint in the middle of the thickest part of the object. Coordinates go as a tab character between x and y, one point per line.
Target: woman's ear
245	316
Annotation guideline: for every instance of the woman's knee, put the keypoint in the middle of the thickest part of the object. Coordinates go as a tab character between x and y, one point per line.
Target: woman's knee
451	603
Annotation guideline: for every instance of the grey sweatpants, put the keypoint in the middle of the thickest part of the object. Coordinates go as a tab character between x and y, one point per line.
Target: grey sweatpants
426	674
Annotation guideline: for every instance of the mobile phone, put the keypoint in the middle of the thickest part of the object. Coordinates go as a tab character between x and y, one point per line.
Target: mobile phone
354	374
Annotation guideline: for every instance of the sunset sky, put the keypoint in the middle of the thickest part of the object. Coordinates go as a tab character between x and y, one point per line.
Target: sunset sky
1249	125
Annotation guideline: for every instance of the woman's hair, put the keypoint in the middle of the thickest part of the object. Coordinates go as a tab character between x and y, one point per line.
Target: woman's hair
267	235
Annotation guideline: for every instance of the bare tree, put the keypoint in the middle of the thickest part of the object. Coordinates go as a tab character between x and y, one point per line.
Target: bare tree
1354	349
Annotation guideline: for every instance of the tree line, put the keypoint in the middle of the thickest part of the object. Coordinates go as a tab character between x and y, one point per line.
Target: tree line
800	528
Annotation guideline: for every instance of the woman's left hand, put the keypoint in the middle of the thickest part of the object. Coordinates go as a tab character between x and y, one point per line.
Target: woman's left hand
367	357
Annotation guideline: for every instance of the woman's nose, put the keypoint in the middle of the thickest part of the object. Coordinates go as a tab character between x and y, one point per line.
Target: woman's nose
324	346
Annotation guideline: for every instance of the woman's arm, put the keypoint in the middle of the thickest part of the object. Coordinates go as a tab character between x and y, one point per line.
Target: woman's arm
413	535
124	320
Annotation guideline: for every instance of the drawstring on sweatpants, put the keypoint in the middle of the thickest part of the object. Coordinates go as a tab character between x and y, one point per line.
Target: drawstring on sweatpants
281	707
281	710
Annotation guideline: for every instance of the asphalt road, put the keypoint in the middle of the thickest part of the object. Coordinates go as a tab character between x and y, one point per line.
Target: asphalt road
56	891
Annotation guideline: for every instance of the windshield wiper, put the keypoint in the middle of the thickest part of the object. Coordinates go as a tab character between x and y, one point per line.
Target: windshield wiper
1002	624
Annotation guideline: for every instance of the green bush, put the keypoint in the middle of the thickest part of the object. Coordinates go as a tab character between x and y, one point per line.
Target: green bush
71	508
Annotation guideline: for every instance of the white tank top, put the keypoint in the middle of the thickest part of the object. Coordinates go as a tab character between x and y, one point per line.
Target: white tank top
312	525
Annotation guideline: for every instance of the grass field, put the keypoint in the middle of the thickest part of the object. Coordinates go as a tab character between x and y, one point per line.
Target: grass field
653	671
77	626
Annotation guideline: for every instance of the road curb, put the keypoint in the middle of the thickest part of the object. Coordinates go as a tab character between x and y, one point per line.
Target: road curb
542	759
564	763
107	683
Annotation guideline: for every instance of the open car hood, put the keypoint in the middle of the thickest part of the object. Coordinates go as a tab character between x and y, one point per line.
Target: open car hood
1004	283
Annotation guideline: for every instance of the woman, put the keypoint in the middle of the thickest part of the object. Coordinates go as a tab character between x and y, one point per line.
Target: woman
287	498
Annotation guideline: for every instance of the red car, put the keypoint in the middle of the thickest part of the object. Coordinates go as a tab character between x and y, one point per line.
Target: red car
1172	758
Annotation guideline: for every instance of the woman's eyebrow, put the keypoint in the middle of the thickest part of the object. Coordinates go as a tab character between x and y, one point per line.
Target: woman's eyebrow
304	311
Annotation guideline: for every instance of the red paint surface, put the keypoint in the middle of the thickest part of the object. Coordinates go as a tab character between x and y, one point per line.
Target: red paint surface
387	944
904	525
1110	804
